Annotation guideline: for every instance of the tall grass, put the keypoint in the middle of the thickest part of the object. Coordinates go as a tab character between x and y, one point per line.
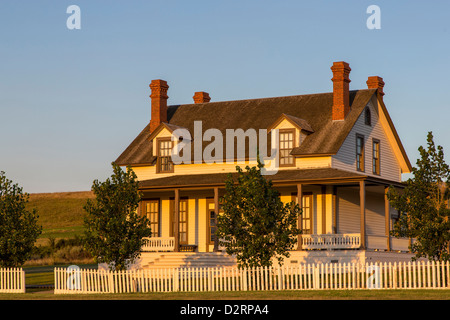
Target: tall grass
61	216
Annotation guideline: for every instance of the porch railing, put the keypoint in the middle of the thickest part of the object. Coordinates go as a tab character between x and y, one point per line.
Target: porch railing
159	244
331	241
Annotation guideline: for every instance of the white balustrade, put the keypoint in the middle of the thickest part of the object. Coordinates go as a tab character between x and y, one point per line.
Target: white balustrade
331	241
159	244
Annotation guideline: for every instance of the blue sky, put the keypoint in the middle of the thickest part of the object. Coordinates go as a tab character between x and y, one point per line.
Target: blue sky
72	100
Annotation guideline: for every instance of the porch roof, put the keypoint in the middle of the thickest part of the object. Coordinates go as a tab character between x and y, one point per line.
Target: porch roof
282	177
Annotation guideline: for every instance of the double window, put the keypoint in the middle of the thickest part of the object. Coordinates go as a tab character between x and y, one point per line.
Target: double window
360	154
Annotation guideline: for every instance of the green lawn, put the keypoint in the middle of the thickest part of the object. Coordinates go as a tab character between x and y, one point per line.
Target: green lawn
249	295
43	275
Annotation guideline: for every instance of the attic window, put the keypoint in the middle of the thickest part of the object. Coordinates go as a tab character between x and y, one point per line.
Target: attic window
367	117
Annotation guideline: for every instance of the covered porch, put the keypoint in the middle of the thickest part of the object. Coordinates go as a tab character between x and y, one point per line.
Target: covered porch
341	211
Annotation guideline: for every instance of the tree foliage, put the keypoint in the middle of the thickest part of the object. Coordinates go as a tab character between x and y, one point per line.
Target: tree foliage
114	230
424	213
256	226
19	227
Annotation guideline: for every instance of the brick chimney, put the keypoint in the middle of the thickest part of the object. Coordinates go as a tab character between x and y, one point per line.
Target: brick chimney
159	103
201	97
376	82
341	99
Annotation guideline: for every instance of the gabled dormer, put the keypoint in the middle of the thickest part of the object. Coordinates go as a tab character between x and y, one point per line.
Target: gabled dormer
164	141
292	131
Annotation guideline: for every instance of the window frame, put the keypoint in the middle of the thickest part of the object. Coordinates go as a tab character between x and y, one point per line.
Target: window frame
286	131
208	220
360	162
144	212
311	218
376	162
367	116
184	200
160	157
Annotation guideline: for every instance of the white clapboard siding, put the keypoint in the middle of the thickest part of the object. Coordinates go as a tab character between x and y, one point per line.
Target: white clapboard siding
342	276
12	280
345	158
375	215
348	215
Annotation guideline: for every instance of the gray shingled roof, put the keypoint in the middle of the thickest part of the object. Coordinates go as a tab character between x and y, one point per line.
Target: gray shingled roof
314	109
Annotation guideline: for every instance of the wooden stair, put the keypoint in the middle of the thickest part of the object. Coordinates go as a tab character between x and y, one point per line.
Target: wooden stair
186	260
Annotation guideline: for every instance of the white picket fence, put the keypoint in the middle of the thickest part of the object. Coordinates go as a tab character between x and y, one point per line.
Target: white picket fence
408	275
12	280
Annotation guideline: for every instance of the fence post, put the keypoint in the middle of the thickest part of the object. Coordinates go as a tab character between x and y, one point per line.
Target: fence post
316	277
55	280
448	274
245	280
175	280
280	278
395	275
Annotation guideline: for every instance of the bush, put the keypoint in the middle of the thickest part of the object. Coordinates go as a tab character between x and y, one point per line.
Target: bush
61	251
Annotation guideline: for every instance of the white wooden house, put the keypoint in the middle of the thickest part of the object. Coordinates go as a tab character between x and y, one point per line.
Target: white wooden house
339	151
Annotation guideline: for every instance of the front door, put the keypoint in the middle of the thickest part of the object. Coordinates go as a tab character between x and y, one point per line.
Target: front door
307	212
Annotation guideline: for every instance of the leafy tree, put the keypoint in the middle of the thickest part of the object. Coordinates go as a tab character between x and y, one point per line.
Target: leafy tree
114	230
256	225
424	214
19	227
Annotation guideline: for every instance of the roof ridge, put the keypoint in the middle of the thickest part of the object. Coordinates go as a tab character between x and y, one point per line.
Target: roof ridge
266	98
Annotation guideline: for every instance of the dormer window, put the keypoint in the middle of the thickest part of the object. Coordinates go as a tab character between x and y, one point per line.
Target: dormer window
291	133
367	117
287	137
164	163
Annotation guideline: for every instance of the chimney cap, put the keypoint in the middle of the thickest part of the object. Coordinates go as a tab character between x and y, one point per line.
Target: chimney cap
341	64
341	97
201	97
159	82
341	71
376	82
159	89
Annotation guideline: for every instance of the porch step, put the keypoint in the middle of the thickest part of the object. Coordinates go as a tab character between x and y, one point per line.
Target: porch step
186	259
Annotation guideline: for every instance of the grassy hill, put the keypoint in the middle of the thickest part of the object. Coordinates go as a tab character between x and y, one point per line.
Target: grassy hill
60	214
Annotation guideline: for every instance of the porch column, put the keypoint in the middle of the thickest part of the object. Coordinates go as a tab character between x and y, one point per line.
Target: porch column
324	209
300	221
387	216
176	222
362	205
216	214
334	211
